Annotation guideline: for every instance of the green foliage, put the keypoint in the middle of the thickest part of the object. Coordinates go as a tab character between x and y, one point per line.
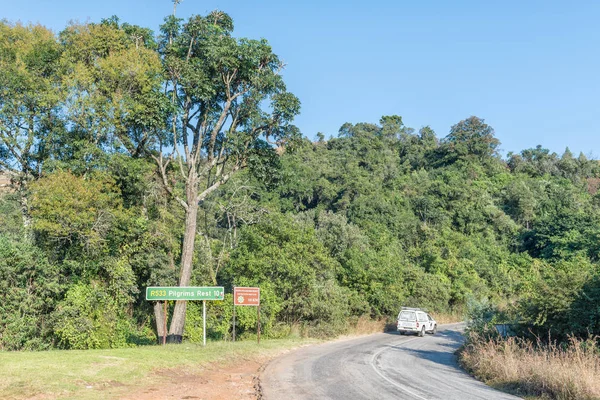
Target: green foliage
482	316
30	287
90	317
11	222
219	316
280	256
110	169
71	209
562	301
30	98
471	137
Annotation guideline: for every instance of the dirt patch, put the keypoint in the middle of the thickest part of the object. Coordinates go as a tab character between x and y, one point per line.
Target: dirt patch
224	381
234	381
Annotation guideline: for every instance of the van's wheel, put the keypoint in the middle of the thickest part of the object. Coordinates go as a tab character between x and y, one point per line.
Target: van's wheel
422	332
434	331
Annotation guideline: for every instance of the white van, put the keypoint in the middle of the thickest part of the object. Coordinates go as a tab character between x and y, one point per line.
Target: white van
415	320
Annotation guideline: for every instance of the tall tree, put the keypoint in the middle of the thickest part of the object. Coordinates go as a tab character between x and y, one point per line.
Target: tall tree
471	137
30	96
229	107
115	100
114	79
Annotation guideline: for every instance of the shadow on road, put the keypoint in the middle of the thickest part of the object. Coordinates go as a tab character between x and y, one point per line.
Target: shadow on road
451	335
441	357
446	338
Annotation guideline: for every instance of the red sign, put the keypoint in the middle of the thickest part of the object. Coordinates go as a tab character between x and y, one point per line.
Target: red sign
246	296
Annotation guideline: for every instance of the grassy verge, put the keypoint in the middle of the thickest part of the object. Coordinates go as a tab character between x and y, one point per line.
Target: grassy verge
71	374
544	371
81	373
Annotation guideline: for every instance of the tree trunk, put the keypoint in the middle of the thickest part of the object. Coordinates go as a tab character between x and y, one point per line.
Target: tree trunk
26	216
159	316
189	239
25	211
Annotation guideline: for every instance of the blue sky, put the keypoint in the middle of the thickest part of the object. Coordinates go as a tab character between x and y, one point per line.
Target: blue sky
530	68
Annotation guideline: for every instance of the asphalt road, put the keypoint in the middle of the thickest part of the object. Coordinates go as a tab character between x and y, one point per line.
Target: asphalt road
380	366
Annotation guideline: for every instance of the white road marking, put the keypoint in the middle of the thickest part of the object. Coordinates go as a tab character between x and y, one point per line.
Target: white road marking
398	385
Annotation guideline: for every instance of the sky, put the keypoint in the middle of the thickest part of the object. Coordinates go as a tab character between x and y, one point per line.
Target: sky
530	68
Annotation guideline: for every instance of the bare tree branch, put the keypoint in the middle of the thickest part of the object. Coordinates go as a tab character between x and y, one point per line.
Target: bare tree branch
217	184
162	168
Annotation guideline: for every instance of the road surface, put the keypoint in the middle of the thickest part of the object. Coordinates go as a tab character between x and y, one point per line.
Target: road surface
381	366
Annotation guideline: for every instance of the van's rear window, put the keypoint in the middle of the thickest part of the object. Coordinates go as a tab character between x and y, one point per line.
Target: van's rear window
407	316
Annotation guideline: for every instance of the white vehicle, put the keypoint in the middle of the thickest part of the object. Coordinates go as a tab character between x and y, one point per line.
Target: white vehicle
415	320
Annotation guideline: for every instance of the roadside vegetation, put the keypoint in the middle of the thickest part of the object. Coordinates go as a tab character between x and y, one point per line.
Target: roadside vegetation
142	158
553	370
512	348
117	373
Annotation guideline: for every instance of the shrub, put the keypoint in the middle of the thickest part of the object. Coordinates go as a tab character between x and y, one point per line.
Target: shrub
29	289
91	318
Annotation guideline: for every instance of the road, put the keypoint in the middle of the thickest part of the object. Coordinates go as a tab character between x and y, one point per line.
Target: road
381	366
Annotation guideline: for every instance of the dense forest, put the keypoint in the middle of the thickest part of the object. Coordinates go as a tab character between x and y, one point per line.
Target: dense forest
139	159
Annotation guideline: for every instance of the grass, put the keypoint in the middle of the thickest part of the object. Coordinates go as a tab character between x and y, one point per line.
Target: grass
72	373
365	326
448	318
543	371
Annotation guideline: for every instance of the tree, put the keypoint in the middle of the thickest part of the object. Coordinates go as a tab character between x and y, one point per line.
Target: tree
539	161
520	202
114	101
30	98
471	137
229	105
287	257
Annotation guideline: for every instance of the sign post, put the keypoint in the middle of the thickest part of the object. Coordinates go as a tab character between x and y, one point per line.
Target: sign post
234	321
183	293
247	296
204	322
165	325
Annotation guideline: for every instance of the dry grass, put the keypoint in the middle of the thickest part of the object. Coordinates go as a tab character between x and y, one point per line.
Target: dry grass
448	318
547	371
365	325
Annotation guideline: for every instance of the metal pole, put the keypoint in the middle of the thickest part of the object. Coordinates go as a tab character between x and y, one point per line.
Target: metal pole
258	323
204	321
165	325
234	320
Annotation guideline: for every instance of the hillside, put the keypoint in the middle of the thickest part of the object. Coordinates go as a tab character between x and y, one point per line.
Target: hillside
128	186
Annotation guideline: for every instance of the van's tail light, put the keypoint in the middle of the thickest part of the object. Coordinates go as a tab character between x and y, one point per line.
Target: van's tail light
417	324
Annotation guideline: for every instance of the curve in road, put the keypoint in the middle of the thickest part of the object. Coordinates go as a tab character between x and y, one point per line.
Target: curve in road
381	366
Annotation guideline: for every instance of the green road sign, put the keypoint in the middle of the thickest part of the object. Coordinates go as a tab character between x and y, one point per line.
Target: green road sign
185	293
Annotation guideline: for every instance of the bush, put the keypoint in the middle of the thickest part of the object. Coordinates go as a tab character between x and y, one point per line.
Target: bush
29	287
563	301
295	274
482	316
218	320
91	318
